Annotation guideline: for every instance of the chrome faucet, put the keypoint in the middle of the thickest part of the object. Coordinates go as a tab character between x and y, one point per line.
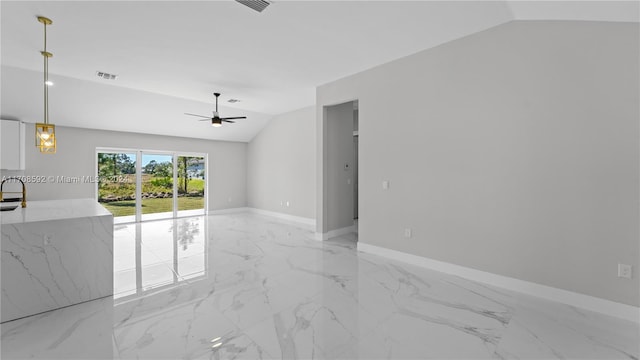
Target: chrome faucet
24	190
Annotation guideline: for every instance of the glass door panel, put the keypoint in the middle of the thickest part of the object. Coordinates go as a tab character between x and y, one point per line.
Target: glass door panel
117	184
191	185
157	186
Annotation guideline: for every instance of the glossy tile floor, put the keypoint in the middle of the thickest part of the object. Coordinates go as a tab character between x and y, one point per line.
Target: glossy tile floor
244	286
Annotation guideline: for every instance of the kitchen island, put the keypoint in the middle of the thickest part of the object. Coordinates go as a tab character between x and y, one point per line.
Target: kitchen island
55	253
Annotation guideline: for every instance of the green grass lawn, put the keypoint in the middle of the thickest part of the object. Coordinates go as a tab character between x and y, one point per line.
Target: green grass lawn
152	206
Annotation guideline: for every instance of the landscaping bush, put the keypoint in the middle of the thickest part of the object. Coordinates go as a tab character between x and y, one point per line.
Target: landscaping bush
164	182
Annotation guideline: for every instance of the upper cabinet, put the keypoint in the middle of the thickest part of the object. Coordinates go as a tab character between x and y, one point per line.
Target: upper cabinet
12	145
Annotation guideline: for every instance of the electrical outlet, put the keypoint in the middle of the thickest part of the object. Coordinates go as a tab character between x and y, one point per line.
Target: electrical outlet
46	239
385	184
348	181
624	271
407	233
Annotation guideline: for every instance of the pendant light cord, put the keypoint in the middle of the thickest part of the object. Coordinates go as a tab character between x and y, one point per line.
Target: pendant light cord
46	77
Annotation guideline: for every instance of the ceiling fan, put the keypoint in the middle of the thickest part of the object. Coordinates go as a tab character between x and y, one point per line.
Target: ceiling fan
216	120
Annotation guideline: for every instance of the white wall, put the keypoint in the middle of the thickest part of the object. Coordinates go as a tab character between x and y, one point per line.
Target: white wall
76	157
281	165
512	151
340	151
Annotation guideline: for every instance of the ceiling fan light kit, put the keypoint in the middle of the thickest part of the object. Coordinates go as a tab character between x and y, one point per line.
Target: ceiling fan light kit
216	120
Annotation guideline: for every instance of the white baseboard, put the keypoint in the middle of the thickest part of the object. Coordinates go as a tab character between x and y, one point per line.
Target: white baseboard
607	307
337	232
306	223
228	211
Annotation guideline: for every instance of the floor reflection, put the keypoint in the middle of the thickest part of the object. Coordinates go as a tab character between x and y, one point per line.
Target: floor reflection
245	286
155	255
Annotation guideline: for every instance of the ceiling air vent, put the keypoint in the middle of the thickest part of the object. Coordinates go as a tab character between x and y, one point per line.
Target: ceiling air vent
106	76
257	5
233	101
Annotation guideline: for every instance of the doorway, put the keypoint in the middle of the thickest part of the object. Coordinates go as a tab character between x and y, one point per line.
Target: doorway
340	169
141	185
356	137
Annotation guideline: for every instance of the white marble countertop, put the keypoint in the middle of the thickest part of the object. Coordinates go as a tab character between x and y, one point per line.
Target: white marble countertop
47	210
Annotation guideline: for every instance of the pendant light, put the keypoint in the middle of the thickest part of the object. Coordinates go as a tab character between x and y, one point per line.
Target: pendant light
46	132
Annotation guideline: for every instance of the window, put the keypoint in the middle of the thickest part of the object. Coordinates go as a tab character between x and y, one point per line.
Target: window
140	185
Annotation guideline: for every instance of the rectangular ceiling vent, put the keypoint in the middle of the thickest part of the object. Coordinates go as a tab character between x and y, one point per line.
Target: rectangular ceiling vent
106	76
233	101
257	5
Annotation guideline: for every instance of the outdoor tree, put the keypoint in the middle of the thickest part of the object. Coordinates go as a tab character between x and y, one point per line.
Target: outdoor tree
163	169
115	164
183	174
125	164
150	168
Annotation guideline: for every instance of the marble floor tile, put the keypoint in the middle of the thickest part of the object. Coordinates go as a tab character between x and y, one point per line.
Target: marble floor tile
308	330
186	331
246	286
543	329
83	331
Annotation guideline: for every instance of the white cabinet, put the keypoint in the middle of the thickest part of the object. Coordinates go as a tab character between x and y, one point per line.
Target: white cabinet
12	145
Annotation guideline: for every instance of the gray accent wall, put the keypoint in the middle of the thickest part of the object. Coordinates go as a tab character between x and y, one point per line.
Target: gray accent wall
281	165
76	157
513	151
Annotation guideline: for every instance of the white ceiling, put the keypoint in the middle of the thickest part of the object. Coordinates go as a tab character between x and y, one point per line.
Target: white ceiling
177	53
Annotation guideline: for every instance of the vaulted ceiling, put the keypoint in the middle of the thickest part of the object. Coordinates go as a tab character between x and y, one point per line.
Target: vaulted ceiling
170	56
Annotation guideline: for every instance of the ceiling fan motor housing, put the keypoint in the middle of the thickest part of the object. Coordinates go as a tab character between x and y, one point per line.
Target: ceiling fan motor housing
216	120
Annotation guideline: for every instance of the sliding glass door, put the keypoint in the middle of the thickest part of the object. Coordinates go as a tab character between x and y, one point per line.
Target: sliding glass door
117	179
191	185
156	196
139	185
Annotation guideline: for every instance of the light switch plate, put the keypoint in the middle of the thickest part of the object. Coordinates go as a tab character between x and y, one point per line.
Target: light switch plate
624	271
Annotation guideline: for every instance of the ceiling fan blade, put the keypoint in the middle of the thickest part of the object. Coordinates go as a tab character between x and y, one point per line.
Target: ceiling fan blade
229	121
236	117
202	116
205	119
